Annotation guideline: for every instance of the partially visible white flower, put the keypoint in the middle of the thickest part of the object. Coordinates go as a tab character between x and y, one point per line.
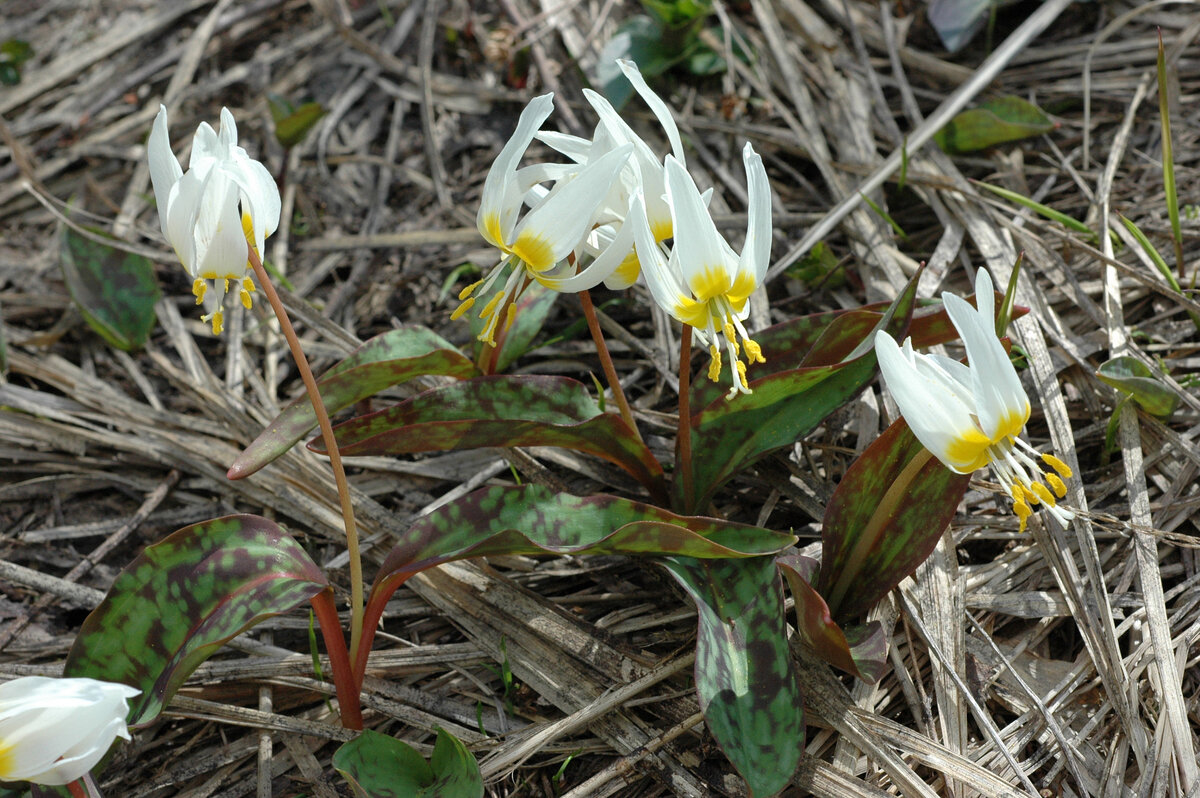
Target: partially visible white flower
971	416
538	244
224	202
702	283
53	731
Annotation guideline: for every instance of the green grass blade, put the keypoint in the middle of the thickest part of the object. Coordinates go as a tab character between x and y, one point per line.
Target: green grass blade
1039	208
1168	157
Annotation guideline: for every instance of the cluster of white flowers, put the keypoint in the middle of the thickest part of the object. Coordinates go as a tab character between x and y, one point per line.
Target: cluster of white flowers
607	216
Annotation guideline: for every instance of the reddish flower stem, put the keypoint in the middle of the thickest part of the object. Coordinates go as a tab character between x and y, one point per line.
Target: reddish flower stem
335	457
683	440
606	362
349	690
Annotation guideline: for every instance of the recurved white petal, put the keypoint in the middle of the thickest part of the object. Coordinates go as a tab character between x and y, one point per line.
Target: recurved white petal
497	212
938	419
221	248
206	149
228	133
182	207
601	268
666	287
553	229
659	108
756	252
1000	401
164	166
700	249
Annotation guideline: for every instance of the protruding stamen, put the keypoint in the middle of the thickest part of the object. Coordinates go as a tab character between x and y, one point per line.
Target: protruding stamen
199	287
1059	486
741	370
466	292
218	321
1022	511
510	315
1043	493
753	351
490	308
714	366
462	308
1062	468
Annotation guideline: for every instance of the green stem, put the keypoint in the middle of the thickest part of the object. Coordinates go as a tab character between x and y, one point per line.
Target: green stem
335	457
349	690
606	363
683	440
868	539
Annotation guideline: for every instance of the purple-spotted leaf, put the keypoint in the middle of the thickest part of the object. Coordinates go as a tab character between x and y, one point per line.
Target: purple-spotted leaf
500	411
378	766
386	360
185	596
748	689
996	121
532	520
731	433
825	338
883	520
860	650
114	290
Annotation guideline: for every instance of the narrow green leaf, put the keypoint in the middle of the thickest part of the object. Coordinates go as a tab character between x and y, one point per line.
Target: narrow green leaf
881	213
386	360
1130	376
378	766
532	520
731	433
748	689
1005	313
114	290
500	410
293	123
878	528
182	598
860	650
996	121
1039	208
1168	156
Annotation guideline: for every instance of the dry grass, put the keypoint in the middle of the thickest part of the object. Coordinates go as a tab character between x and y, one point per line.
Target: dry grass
1074	672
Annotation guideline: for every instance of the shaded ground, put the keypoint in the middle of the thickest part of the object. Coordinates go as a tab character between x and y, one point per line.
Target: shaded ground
99	447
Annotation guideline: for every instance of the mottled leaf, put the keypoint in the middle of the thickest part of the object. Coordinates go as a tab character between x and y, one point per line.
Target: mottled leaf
883	520
386	360
114	290
532	520
1132	377
182	598
860	650
378	766
500	411
749	692
996	121
731	433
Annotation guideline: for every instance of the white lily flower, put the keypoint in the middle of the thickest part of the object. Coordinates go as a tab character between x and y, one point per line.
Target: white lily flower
703	283
971	416
225	202
539	243
644	172
53	731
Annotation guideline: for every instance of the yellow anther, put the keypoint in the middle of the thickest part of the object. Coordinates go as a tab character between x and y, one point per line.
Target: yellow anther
199	287
1044	493
247	302
741	370
753	352
1059	486
730	333
225	290
490	308
1062	468
510	315
248	285
466	292
218	322
714	366
462	308
1022	512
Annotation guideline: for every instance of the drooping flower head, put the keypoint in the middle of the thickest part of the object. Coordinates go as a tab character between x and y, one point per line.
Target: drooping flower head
702	283
225	202
53	731
971	416
537	244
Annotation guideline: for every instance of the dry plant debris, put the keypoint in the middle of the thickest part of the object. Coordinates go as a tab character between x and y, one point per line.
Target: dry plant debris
1045	663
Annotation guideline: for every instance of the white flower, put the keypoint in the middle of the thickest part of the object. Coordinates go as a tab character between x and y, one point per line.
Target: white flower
538	244
971	416
53	731
643	172
210	214
703	283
